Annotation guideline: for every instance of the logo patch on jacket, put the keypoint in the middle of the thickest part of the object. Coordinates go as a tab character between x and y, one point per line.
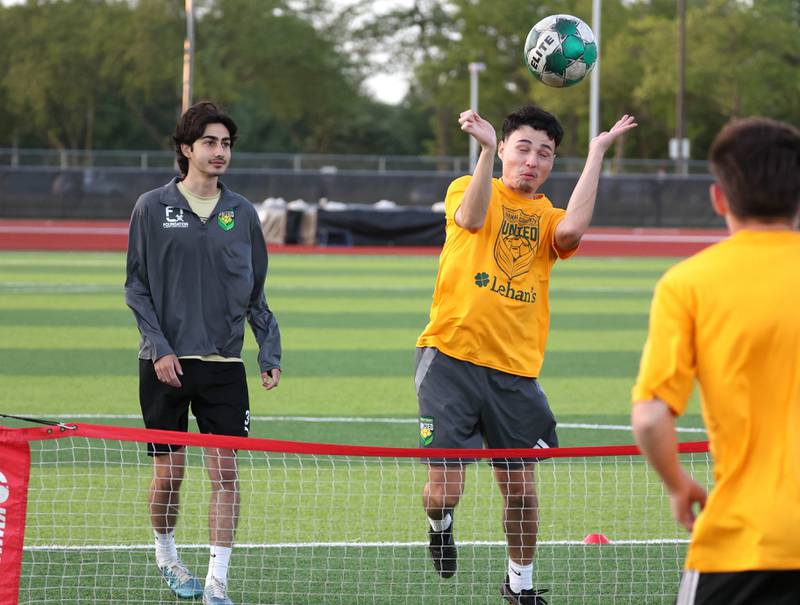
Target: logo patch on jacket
173	218
225	220
425	430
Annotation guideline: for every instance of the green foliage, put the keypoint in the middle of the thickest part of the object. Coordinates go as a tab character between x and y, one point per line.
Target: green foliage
741	59
107	73
85	72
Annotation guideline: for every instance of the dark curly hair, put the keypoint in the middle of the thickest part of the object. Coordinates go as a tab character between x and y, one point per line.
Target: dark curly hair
193	124
535	117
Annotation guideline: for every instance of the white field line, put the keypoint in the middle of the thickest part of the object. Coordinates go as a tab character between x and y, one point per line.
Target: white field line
361	420
112	547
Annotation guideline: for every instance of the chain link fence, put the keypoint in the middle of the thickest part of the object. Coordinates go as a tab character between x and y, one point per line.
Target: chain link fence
324	163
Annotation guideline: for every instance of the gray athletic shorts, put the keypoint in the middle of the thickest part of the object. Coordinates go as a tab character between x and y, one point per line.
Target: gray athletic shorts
463	405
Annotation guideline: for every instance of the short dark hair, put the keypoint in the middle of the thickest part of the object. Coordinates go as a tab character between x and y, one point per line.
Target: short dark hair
535	117
193	124
756	161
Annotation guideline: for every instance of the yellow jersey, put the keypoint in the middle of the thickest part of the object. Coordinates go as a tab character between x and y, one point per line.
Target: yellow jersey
490	302
730	316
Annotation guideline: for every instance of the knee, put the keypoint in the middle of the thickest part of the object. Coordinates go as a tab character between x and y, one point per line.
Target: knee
437	498
225	480
168	484
521	500
519	494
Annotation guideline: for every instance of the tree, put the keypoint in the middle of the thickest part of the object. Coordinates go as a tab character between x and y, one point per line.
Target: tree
107	73
85	73
51	79
742	59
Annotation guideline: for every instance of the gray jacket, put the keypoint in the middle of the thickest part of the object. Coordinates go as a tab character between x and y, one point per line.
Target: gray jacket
192	284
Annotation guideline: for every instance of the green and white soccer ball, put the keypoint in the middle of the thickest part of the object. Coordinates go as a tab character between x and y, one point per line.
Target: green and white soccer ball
560	50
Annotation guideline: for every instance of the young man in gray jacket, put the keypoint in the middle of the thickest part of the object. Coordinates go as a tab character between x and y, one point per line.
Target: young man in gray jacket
196	268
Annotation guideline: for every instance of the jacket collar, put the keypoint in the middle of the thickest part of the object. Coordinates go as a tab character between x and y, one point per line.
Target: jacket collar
170	196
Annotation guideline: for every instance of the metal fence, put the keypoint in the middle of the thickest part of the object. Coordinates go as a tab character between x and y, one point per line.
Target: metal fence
320	163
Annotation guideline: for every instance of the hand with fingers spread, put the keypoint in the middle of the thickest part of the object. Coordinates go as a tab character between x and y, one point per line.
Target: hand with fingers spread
581	204
480	129
605	139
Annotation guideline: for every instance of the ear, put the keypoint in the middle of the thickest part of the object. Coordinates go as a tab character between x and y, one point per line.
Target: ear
719	201
500	147
186	150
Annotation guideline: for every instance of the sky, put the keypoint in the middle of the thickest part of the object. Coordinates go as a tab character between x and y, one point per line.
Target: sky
386	87
389	88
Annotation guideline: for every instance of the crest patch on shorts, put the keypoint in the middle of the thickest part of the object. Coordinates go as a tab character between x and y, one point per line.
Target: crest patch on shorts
425	430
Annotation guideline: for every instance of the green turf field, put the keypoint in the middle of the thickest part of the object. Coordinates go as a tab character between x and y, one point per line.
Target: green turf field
68	348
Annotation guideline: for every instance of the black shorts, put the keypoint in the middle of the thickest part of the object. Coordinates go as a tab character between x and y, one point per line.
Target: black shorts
216	391
464	405
740	588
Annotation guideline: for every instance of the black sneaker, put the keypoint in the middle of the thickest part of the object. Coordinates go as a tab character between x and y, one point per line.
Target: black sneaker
443	549
523	597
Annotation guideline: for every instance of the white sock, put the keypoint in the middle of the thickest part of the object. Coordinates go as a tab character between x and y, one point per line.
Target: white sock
440	524
218	563
520	577
166	552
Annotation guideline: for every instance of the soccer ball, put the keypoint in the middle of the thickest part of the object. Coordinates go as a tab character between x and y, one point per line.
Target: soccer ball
560	50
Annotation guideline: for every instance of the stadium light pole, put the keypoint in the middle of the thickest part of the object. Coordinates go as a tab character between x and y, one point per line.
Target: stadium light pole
474	70
594	91
680	110
188	56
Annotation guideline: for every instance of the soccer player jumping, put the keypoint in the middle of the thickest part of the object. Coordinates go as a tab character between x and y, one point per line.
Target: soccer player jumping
730	317
197	263
479	357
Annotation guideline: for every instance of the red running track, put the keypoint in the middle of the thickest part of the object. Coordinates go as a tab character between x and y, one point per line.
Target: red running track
113	236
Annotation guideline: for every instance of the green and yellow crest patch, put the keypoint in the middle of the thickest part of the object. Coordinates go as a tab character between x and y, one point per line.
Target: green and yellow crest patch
225	220
425	430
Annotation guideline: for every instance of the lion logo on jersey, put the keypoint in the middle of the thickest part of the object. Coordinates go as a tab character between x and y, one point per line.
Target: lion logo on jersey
517	242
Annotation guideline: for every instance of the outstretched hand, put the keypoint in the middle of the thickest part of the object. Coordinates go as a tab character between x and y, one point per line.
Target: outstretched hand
481	130
605	139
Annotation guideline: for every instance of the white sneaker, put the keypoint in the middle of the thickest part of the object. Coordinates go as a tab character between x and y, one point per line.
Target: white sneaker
216	593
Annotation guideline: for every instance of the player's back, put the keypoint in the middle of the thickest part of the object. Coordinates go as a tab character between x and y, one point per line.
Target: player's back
743	296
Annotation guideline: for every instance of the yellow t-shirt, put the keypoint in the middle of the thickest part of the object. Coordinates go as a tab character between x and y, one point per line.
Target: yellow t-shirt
490	302
203	207
730	316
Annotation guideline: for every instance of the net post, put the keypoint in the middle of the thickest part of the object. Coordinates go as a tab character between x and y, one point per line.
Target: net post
15	461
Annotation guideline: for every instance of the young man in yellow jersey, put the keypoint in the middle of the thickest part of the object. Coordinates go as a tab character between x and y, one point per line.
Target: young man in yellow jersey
730	317
480	355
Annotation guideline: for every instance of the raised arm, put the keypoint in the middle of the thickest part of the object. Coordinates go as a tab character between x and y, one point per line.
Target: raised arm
472	212
581	204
